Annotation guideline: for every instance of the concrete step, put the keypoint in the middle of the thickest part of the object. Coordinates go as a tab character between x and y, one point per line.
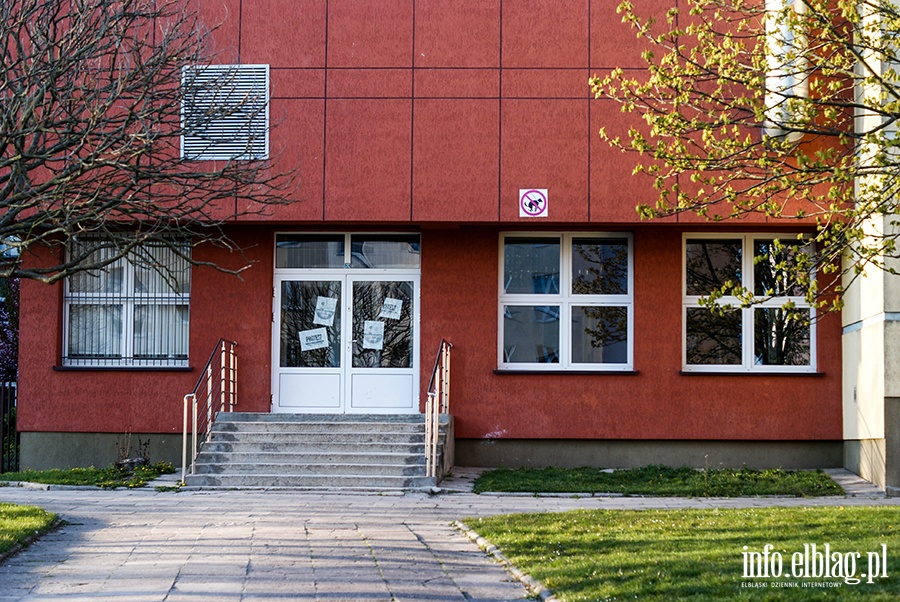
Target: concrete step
319	427
324	481
330	418
242	446
311	457
288	439
313	452
353	470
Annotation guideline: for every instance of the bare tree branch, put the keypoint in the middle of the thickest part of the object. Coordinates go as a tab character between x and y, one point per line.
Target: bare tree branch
91	124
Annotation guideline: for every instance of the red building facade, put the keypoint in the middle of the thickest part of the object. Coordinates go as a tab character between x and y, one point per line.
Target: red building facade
417	128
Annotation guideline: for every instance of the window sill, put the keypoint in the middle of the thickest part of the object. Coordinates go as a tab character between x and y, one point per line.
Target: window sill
123	368
526	372
750	373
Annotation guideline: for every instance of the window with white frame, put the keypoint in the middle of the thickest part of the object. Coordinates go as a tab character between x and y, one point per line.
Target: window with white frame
566	302
774	333
225	112
132	313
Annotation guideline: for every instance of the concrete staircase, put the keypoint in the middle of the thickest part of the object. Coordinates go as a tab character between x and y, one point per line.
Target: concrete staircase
316	452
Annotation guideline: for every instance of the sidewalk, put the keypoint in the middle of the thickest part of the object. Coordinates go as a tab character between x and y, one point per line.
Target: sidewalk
140	545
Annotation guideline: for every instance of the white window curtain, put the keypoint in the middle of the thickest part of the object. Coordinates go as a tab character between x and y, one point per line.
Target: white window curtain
133	312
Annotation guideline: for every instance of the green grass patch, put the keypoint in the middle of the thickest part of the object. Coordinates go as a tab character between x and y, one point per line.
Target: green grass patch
20	524
659	480
591	555
111	477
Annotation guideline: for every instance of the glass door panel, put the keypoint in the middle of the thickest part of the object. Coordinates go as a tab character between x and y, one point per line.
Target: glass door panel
382	324
310	324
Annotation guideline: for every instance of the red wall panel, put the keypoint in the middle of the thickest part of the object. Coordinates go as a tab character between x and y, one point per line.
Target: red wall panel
369	33
545	145
462	33
545	33
368	156
283	33
615	44
455	163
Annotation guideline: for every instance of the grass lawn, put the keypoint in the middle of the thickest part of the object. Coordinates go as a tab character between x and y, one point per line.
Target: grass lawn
108	478
18	524
659	480
591	555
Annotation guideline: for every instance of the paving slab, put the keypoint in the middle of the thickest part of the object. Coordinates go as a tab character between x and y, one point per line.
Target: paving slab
143	545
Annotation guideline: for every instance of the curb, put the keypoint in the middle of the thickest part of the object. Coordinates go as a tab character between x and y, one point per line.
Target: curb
531	584
48	487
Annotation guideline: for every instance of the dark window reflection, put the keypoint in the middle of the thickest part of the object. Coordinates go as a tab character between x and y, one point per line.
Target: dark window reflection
771	267
781	337
309	251
387	306
712	263
713	339
384	251
599	335
531	266
298	314
600	266
531	334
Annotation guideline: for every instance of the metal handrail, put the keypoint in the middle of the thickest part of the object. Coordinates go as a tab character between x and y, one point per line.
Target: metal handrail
437	403
216	390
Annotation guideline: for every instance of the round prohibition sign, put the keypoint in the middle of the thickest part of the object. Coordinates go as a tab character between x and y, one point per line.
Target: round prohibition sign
533	202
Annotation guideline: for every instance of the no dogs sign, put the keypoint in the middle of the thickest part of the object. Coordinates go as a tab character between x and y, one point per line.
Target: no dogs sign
533	202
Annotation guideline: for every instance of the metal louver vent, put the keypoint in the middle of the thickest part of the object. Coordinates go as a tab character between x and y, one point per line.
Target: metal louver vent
225	112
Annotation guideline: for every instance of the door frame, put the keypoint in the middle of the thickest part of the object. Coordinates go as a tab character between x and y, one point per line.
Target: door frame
346	371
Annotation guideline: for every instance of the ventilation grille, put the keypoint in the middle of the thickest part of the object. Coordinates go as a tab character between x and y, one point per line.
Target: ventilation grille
225	112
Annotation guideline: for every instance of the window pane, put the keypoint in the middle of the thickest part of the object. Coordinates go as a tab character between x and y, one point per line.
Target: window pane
159	269
161	332
309	251
771	275
307	307
712	263
531	266
95	331
382	324
384	251
531	334
600	266
109	279
781	337
713	339
600	335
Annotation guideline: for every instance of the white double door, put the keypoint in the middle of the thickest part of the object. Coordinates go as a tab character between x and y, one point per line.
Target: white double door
345	342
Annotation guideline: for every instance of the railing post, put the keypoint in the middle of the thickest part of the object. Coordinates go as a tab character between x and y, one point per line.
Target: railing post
428	460
223	374
435	433
209	397
184	438
446	374
233	359
194	433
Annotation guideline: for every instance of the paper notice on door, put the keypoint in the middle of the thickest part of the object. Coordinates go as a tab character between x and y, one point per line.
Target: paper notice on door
316	338
373	335
391	309
325	308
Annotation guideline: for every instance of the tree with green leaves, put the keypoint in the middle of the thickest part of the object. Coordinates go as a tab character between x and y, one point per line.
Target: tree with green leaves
781	108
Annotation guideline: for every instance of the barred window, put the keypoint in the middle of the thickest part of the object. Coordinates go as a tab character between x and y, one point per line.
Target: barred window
132	313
